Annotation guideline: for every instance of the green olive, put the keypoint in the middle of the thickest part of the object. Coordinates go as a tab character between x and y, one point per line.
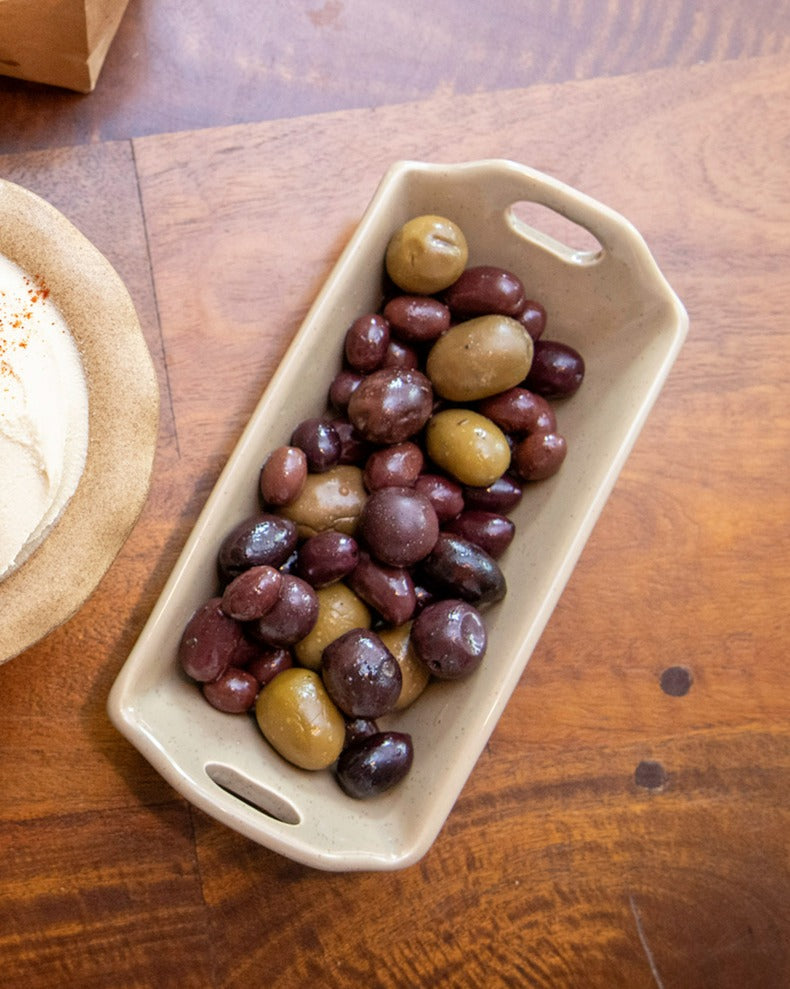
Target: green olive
480	357
414	674
332	500
467	445
427	254
339	610
299	719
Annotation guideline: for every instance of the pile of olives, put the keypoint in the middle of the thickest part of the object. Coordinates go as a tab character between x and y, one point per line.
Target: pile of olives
367	571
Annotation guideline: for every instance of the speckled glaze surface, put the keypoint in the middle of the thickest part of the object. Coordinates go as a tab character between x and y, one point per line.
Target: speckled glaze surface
123	400
615	307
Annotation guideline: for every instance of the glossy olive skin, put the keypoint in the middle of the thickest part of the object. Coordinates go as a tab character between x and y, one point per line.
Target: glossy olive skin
326	557
486	289
446	495
414	674
479	357
372	765
252	593
539	456
417	318
491	531
332	500
299	720
450	638
361	675
339	611
398	465
268	663
502	496
388	590
261	540
291	617
233	692
283	475
343	384
467	445
456	567
366	342
391	405
557	370
320	443
209	642
426	254
399	525
519	412
533	318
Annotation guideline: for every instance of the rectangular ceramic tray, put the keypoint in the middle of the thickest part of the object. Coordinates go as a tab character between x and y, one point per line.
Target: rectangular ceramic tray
615	307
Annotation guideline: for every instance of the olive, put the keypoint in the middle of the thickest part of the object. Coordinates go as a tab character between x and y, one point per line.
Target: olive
488	530
426	255
292	616
366	342
393	466
400	354
391	405
339	610
269	662
417	318
399	525
209	642
539	456
353	447
479	357
283	475
533	318
557	370
374	764
343	383
298	718
326	557
446	495
486	289
357	728
456	567
320	443
450	638
468	446
388	590
361	675
262	539
233	692
252	593
502	496
519	411
332	500
414	674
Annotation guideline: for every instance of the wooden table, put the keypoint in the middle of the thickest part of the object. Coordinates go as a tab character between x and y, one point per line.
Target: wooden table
628	823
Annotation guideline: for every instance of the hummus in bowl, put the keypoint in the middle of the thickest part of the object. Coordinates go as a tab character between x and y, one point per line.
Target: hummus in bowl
79	408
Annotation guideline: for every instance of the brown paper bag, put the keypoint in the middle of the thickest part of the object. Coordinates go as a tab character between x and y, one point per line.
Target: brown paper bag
60	42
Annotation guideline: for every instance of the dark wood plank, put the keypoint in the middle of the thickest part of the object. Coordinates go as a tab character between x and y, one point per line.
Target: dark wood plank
179	66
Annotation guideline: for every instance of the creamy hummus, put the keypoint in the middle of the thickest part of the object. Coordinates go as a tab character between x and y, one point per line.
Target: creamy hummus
43	414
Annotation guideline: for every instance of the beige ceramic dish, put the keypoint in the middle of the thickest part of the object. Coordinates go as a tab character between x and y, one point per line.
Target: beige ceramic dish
123	399
617	309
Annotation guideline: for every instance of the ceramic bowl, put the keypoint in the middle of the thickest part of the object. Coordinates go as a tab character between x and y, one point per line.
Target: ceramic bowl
123	409
613	305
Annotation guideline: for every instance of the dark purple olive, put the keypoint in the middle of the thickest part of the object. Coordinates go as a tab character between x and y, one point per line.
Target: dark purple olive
502	496
533	318
354	448
375	764
486	289
444	494
401	354
209	642
399	526
357	728
557	370
268	662
261	540
490	531
327	557
233	692
456	567
519	411
450	638
366	342
539	456
417	318
291	617
320	442
393	466
252	593
391	405
343	384
361	675
388	590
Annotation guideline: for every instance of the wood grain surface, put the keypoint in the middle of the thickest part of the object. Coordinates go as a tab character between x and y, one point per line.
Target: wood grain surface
627	825
174	66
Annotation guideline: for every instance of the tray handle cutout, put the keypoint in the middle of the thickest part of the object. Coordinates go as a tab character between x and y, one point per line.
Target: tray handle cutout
250	792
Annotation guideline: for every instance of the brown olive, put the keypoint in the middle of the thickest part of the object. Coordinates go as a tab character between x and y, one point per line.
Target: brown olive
484	289
399	525
339	610
426	255
468	446
283	475
479	357
299	719
391	405
332	500
539	456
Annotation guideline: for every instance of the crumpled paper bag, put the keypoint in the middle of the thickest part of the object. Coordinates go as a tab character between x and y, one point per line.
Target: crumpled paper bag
59	42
